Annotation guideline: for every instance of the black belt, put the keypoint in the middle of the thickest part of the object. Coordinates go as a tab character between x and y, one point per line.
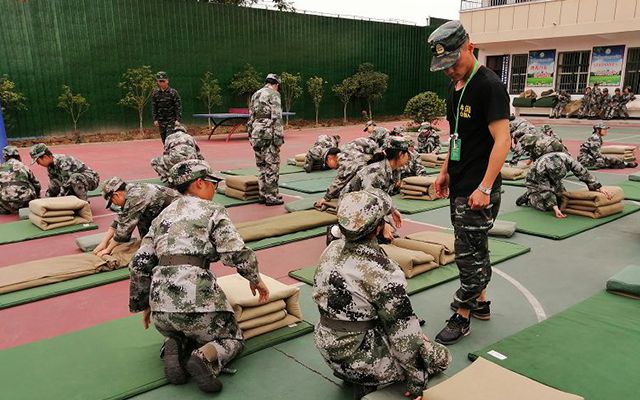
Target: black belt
347	326
184	259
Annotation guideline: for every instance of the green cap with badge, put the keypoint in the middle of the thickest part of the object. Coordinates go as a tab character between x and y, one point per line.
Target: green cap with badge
162	76
111	186
189	170
445	43
37	150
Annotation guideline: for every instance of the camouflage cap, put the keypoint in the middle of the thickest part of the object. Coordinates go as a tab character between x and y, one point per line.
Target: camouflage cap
111	186
162	76
179	127
528	140
424	126
600	125
445	43
37	150
397	131
361	212
381	136
274	77
368	124
10	151
398	143
189	170
546	128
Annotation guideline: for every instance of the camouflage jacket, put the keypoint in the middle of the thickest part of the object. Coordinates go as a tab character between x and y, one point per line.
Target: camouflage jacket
180	146
144	201
166	105
64	166
265	117
616	100
358	282
17	181
591	147
315	155
428	142
188	226
353	158
605	100
547	173
412	168
563	99
378	175
544	145
626	98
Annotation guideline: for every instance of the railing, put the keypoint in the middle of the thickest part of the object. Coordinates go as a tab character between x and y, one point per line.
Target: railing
473	4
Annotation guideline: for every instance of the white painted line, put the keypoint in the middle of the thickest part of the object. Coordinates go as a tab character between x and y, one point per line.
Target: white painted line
103	215
623	138
535	304
424	223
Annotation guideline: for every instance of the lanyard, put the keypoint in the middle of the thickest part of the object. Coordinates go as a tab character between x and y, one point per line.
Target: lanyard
457	112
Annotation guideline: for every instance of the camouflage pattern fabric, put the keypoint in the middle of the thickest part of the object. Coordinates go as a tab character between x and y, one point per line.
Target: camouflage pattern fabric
596	101
166	108
356	281
613	110
544	181
538	145
428	141
412	168
194	330
70	176
563	99
189	226
18	186
470	228
144	202
626	98
266	137
378	175
591	157
585	107
316	154
518	128
179	146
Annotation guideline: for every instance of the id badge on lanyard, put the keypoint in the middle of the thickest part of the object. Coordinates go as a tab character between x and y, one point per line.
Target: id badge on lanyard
455	143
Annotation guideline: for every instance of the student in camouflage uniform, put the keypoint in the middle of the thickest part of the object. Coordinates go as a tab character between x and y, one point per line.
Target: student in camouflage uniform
585	105
544	182
18	185
140	204
604	103
591	157
613	110
368	332
563	99
413	166
627	96
596	102
68	176
428	139
397	131
172	285
518	127
166	106
266	137
316	154
369	126
178	146
538	145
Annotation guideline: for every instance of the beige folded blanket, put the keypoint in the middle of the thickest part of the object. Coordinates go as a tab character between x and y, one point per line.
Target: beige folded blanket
430	164
255	318
432	157
56	212
58	269
284	224
300	157
330	206
588	198
242	183
624	157
595	213
439	244
241	195
513	173
423	181
412	262
617	149
418	188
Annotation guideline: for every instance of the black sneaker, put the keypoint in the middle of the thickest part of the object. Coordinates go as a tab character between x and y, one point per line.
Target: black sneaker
523	200
631	164
483	312
277	202
202	371
359	391
457	328
171	358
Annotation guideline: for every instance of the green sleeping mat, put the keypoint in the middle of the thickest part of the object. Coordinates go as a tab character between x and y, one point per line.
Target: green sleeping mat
631	189
402	205
284	169
626	282
19	231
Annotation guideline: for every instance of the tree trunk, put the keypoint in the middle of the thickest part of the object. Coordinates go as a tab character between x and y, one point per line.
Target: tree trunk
370	113
288	108
344	114
209	119
140	119
317	109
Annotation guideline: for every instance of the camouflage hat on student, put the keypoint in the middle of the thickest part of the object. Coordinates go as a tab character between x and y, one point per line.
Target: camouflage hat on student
360	213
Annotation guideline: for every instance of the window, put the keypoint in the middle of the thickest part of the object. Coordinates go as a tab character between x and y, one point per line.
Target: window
632	70
518	73
573	71
499	65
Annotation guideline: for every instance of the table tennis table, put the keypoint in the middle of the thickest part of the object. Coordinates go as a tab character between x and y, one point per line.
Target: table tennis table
223	119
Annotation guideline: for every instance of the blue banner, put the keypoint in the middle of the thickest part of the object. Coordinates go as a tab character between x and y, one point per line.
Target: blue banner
3	134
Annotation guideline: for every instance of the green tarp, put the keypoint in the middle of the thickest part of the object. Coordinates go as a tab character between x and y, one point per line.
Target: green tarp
631	189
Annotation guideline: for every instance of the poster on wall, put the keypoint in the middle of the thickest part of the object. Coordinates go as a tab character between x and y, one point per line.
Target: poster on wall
540	68
606	65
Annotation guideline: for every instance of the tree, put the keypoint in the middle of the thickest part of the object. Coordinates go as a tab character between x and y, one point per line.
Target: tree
281	5
425	107
315	86
210	92
345	91
246	82
371	85
291	89
138	85
74	104
11	100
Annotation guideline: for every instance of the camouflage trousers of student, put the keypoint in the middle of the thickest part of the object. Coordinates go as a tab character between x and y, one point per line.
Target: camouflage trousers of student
471	230
268	163
15	197
166	128
193	330
601	162
77	185
556	112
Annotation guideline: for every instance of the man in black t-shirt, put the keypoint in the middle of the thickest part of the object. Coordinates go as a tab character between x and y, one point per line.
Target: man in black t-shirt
478	115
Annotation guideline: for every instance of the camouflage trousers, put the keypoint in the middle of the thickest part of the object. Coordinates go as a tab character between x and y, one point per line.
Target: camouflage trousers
77	185
166	128
194	330
14	197
268	163
163	164
365	358
540	197
556	112
600	162
471	228
612	112
623	111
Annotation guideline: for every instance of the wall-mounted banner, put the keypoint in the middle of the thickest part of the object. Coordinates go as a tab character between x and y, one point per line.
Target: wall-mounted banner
540	68
606	65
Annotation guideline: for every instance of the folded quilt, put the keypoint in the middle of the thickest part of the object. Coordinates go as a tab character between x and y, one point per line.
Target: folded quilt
412	262
255	318
503	228
58	269
418	188
439	244
430	164
56	212
424	197
243	183
241	195
513	173
291	161
432	157
626	282
300	157
599	212
284	224
586	197
617	149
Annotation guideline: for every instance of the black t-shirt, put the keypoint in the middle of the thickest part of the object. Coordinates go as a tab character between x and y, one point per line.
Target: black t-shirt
485	100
